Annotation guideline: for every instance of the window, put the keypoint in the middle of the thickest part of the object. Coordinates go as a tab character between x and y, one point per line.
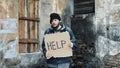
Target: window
28	26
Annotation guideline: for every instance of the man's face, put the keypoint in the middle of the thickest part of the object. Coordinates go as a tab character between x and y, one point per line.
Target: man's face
55	22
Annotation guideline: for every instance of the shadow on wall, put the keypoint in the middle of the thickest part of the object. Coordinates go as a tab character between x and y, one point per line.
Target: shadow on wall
66	16
84	28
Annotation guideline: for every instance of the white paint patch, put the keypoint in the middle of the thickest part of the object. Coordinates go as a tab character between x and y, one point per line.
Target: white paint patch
8	26
107	46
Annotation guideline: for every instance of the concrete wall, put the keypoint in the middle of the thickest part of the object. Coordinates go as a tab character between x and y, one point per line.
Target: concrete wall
8	29
8	9
107	25
65	8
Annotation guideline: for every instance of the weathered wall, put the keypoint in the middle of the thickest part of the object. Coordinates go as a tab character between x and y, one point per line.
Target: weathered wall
8	9
9	56
108	32
65	8
8	29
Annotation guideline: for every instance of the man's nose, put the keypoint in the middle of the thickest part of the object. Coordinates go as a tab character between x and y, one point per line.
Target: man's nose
52	22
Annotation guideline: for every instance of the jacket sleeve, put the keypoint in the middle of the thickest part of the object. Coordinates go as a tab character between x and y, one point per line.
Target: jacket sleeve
43	45
72	37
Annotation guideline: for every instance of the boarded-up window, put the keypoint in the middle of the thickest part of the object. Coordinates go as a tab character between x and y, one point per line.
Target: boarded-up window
84	6
28	25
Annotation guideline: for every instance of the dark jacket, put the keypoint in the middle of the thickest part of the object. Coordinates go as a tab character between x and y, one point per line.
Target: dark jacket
72	38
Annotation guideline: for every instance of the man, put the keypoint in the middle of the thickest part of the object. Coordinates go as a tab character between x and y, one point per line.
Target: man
56	26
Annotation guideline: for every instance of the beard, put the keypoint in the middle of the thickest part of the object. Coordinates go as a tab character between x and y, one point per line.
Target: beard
56	27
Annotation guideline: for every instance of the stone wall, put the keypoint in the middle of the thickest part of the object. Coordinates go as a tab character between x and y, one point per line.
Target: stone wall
25	60
107	25
8	28
8	9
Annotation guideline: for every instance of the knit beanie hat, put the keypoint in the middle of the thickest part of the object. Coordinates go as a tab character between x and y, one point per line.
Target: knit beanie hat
54	16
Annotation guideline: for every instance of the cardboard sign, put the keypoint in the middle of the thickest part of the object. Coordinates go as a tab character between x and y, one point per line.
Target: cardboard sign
57	44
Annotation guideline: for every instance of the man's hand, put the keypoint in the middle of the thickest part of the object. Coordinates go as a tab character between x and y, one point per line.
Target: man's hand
48	55
70	44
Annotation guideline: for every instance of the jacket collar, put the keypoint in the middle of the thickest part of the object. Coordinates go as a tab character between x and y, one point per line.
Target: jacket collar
60	27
